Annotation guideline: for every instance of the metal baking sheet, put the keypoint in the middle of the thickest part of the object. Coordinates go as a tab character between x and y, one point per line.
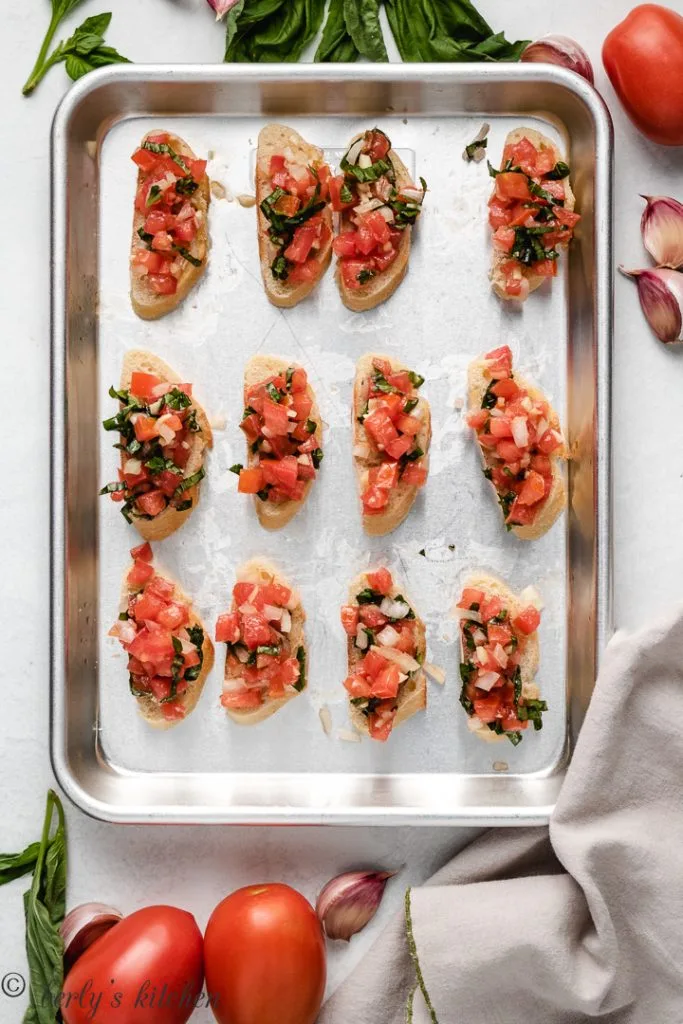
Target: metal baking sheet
288	769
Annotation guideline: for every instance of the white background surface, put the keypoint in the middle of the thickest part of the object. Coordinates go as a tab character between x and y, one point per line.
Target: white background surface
195	867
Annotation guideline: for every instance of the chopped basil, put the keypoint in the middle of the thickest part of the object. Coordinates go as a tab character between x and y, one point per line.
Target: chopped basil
145	236
237	468
153	196
468	638
506	500
488	473
498	619
248	411
473	149
517	680
268	649
187	255
133	688
163	147
317	456
176	399
182	506
263	494
196	635
410	405
413	456
364	412
190	481
416	379
158	464
186	186
301	658
369	596
537	190
124	616
422	552
289	374
374	172
489	399
532	711
345	194
410	613
465	701
280	268
114	486
380	383
275	395
467	670
365	275
310	426
283	226
123	396
559	171
514	737
254	447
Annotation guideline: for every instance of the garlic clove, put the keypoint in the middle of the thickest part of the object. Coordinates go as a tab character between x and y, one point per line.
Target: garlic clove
661	298
221	7
82	926
349	901
560	50
662	229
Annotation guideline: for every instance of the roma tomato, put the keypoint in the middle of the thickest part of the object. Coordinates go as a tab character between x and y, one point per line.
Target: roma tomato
147	969
265	958
643	57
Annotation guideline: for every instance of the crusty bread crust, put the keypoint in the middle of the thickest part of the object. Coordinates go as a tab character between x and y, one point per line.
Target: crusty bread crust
382	287
528	646
258	570
273	140
402	497
273	515
146	303
147	706
168	521
498	258
477	383
412	695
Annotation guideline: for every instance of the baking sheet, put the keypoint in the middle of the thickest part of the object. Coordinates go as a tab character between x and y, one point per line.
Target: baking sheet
443	316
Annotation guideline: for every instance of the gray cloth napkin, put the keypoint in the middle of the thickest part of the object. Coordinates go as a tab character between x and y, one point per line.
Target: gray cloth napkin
579	922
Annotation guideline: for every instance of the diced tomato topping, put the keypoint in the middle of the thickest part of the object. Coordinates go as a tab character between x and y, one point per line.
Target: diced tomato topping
381	722
374	499
358	686
255	631
372	617
549	443
142	551
545	268
151	503
276	594
228	628
248	593
335	186
275	417
486	708
385	475
409	425
147	606
506	388
281	473
499	213
490	608
380	580
300	246
380	428
242	699
374	663
163	284
299	380
527	621
356	273
414	475
533	489
504	238
512	185
349	618
399	447
153	262
471	596
160	586
567	217
387	682
173	616
146	428
251	481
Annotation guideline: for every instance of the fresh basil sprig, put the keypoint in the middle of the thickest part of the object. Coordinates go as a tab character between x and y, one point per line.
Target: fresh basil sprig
44	909
82	52
272	30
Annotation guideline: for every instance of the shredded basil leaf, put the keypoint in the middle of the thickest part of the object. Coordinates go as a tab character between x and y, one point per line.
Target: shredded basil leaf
237	468
559	171
163	147
301	658
190	481
369	596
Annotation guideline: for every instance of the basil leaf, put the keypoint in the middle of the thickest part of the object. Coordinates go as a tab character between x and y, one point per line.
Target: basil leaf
300	684
310	426
186	186
416	379
474	148
336	44
410	405
231	22
272	30
374	172
187	255
559	171
273	392
190	481
14	865
369	596
317	456
163	147
514	737
447	30
363	26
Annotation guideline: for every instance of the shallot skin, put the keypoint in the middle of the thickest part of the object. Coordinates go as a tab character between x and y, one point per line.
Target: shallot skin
561	50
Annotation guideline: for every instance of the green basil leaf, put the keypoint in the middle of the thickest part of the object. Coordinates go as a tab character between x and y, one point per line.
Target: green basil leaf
363	26
14	865
300	684
336	45
447	30
369	596
273	30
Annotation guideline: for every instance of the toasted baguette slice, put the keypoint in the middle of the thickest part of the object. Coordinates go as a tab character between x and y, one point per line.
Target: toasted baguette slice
275	140
402	497
146	303
412	695
148	707
477	383
273	515
380	288
258	570
528	646
498	258
168	521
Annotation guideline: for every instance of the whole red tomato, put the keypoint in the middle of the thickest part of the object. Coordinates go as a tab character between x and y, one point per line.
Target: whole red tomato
147	969
265	958
643	57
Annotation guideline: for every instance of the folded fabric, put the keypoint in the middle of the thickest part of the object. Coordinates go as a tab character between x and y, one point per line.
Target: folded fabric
579	922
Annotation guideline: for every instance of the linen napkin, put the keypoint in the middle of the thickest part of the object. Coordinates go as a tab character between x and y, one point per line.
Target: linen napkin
579	922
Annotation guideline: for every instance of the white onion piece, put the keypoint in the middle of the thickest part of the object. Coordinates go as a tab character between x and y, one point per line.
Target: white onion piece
465	614
361	451
435	672
487	680
520	431
159	390
474	723
325	716
500	655
362	640
400	658
541	428
479	636
354	151
531	596
364	160
388	637
124	630
394	609
481	656
242	654
233	685
132	466
348	737
286	621
272	613
388	214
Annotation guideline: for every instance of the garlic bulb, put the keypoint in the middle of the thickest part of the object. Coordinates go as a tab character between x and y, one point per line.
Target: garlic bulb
662	229
82	926
349	901
660	291
560	50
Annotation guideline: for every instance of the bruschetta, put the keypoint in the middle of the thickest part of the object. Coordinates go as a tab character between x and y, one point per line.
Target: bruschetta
391	433
521	444
378	205
265	664
169	652
386	650
283	429
164	435
170	230
294	214
499	659
531	213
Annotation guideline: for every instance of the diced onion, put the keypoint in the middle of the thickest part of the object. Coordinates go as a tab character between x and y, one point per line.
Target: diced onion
124	630
362	640
272	613
541	427
353	151
132	466
412	194
394	609
388	214
286	621
474	723
248	609
526	403
325	719
487	680
481	655
231	685
298	172
466	614
400	658
388	637
520	431
361	451
500	655
242	654
435	672
364	160
479	636
348	737
159	390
